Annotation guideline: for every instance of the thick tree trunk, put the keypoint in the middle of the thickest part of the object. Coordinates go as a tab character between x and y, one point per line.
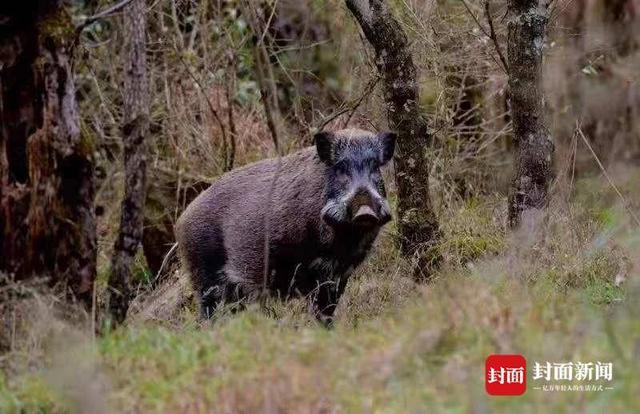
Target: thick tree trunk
417	223
47	223
134	130
534	146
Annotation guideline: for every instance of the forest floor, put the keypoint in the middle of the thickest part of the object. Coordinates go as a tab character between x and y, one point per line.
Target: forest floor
564	288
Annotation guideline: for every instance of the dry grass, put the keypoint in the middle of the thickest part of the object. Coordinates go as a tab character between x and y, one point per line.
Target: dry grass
552	294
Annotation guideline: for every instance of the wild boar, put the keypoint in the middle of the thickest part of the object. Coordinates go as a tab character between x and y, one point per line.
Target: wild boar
321	207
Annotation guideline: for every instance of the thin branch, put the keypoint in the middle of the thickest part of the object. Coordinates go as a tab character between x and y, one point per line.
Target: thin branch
230	116
267	90
209	104
484	31
265	77
351	108
494	37
625	203
473	16
368	90
329	119
269	97
105	13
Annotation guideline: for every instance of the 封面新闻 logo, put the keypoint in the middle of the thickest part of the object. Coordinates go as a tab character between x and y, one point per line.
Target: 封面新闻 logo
505	375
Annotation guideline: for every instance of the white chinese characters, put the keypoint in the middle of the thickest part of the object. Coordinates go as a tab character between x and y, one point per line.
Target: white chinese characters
570	371
506	375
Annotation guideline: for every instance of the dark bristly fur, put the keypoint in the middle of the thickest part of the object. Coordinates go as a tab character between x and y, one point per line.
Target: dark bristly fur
327	207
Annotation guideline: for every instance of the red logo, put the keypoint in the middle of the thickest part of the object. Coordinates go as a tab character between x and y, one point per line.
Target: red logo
505	375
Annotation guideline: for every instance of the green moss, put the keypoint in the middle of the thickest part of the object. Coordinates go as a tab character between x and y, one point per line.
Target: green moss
57	27
87	143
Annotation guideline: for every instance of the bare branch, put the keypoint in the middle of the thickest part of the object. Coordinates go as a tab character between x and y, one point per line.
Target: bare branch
109	11
493	36
351	107
215	114
487	34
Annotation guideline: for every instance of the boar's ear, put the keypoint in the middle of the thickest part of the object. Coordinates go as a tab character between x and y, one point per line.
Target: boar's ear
388	143
324	145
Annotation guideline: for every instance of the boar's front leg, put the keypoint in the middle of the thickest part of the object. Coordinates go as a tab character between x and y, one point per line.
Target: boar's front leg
209	300
325	299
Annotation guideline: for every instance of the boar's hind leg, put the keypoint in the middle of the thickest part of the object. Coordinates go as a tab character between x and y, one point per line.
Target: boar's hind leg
230	289
208	280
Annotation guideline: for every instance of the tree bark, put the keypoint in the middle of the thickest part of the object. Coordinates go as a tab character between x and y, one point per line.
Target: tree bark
134	130
47	222
417	224
534	146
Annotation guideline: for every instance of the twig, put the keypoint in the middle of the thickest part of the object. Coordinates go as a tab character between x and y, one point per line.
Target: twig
209	104
484	31
473	16
370	87
493	36
268	91
231	120
329	119
349	108
607	176
266	80
101	15
262	54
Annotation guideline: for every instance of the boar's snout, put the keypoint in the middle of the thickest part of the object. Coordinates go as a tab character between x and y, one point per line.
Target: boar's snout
368	209
365	216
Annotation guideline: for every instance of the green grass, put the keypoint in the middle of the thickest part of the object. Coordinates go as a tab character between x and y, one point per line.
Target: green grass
397	346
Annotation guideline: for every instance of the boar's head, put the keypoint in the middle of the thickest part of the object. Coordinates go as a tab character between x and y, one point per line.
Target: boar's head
355	192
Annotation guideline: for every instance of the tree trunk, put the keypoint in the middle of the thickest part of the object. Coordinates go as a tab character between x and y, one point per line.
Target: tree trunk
417	224
534	146
47	223
134	130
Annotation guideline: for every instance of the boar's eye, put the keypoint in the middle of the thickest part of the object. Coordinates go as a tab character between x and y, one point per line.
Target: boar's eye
342	172
376	176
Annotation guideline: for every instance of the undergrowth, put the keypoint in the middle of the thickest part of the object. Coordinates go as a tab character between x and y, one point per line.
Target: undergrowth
563	288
